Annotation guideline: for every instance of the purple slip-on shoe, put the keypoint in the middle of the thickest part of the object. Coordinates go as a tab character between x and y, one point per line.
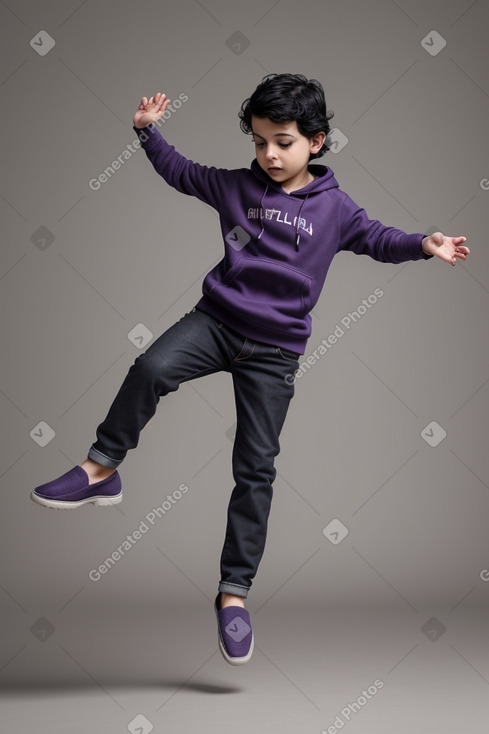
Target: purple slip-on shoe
72	490
236	639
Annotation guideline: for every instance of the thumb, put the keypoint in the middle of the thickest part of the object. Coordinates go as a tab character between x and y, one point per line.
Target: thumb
437	238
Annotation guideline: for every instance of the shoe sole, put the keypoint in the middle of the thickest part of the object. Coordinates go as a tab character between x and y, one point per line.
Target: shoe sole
222	648
236	661
65	505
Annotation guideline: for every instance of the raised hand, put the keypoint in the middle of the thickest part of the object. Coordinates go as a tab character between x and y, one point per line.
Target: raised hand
150	110
446	248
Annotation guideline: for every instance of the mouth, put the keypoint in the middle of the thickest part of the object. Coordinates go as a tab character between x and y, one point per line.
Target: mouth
274	169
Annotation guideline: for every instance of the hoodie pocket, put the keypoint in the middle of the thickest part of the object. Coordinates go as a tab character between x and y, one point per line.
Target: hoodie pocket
266	292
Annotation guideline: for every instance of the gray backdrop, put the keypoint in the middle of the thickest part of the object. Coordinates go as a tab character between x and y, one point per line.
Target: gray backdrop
381	498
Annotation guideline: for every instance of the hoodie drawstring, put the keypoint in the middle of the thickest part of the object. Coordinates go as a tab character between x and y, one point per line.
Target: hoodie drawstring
297	229
260	210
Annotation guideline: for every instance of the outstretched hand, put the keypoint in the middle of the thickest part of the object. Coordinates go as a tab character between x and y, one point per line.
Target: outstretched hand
150	110
446	248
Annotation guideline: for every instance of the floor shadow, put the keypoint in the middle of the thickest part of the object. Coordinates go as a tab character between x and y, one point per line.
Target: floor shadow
37	687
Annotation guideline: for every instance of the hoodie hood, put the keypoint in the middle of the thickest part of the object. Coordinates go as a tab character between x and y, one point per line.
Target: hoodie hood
323	180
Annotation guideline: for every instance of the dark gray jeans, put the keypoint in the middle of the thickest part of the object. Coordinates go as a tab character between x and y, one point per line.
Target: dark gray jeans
195	346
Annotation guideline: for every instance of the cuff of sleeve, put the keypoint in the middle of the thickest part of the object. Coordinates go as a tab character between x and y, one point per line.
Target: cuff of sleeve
148	136
412	248
426	256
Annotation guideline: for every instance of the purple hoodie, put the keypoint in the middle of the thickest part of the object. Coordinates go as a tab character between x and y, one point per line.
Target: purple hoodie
277	246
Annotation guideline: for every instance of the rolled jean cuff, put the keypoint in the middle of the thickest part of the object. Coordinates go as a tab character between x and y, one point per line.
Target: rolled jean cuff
102	459
234	589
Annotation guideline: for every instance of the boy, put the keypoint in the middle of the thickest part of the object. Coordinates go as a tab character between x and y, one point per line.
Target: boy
282	222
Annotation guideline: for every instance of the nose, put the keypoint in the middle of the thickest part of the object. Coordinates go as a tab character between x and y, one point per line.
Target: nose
271	154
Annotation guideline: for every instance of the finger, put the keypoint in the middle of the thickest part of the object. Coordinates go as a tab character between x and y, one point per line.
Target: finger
458	253
162	107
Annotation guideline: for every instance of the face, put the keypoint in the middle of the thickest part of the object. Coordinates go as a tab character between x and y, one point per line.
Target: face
283	152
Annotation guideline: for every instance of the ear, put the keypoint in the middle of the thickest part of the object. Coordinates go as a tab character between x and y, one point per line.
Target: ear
316	143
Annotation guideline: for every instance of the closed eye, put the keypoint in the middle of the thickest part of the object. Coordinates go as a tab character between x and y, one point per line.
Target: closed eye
280	145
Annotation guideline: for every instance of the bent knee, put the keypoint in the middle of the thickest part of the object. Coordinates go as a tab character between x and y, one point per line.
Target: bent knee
155	370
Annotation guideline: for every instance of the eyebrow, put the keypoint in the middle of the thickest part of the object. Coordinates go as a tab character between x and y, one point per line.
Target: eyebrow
277	135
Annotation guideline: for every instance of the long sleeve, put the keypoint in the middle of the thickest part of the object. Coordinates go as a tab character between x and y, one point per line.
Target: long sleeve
207	183
365	236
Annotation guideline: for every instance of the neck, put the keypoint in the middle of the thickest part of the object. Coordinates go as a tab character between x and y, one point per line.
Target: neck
299	182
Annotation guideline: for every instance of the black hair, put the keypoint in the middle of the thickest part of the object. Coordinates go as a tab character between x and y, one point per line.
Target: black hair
288	97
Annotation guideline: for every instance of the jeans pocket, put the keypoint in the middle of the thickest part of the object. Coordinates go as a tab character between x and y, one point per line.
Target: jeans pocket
246	351
287	354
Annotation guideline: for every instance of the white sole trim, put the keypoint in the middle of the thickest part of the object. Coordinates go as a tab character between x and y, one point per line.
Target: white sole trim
236	661
65	505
